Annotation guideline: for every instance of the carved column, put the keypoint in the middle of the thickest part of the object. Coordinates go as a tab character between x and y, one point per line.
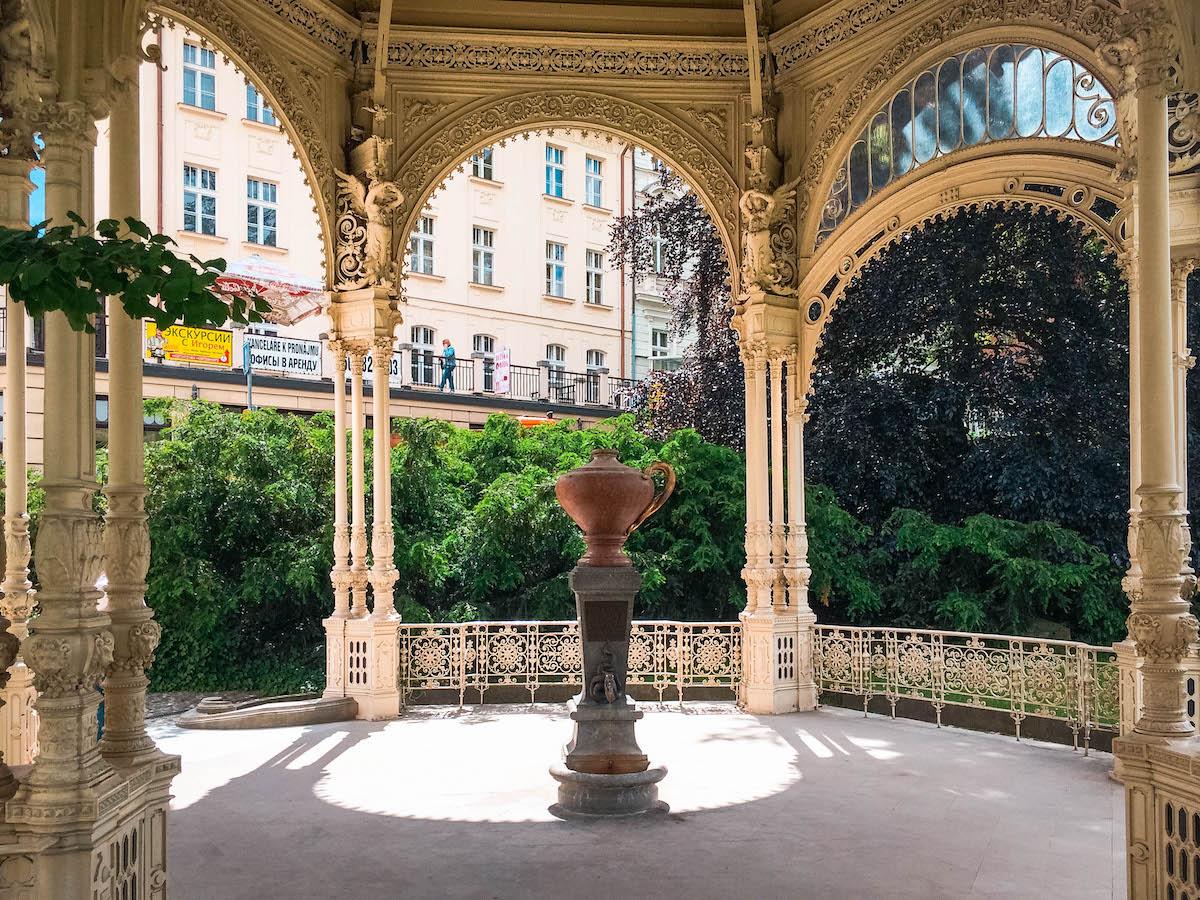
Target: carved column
18	722
358	528
796	571
365	319
757	573
1157	761
775	362
1160	622
126	532
71	647
1184	362
339	576
383	567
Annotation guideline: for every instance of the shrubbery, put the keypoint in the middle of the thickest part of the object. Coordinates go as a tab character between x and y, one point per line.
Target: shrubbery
240	512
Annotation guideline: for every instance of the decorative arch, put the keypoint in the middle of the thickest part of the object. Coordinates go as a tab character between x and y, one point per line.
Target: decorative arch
1075	189
1072	30
442	150
228	33
979	96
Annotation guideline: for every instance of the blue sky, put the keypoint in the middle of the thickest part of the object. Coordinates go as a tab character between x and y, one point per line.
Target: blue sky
37	201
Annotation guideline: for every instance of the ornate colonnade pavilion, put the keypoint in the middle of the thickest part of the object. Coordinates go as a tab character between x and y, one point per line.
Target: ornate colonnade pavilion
817	133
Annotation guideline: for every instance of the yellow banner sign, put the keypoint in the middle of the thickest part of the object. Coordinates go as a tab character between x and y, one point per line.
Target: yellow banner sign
179	344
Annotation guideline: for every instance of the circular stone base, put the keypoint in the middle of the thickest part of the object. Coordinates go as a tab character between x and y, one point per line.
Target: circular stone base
585	795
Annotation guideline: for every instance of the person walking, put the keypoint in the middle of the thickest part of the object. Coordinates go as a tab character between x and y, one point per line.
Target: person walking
448	365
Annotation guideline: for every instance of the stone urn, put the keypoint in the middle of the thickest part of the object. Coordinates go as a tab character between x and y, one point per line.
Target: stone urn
608	500
604	772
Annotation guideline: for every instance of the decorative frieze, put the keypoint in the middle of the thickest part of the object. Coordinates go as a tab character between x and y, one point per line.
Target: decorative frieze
595	58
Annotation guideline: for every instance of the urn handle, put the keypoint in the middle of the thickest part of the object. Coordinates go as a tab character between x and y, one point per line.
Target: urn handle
660	497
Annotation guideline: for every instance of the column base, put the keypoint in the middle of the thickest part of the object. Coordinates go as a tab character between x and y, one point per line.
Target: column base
776	664
335	657
100	849
18	718
372	657
1162	793
585	795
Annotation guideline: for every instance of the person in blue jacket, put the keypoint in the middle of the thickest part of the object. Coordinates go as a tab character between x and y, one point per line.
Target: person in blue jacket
447	366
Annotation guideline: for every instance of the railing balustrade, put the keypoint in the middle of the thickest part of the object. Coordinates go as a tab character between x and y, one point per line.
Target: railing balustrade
620	392
524	382
1025	677
474	657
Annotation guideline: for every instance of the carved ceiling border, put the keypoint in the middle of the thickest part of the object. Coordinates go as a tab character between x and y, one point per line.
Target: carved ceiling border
1097	21
798	43
219	22
428	162
322	22
519	55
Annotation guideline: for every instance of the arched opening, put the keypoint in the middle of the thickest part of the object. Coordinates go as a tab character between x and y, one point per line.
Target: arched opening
970	406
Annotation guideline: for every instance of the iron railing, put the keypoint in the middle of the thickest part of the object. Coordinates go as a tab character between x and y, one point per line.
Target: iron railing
474	657
524	382
620	392
1024	677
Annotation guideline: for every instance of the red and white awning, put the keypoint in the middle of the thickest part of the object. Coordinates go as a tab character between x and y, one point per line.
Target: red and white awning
292	296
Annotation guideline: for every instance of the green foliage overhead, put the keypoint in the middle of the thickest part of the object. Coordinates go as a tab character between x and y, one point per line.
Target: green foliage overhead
69	269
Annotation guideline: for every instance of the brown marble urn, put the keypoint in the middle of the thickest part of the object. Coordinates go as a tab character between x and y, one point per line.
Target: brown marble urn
608	501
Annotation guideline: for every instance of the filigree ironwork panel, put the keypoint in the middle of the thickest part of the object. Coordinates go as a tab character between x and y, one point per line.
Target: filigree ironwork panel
1062	680
474	657
982	95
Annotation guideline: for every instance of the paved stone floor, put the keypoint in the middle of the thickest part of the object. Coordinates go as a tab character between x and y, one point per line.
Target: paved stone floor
450	804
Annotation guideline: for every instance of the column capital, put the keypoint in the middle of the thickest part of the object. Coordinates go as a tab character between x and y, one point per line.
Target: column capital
753	353
1146	51
71	123
1181	268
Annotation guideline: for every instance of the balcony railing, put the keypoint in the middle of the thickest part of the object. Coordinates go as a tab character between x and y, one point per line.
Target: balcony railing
470	658
423	367
1024	677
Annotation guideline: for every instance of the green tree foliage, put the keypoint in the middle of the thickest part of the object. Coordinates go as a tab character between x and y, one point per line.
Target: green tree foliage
706	393
980	366
240	507
69	269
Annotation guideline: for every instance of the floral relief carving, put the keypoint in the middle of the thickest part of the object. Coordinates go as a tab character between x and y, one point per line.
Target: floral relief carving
417	112
714	119
49	658
612	59
1183	131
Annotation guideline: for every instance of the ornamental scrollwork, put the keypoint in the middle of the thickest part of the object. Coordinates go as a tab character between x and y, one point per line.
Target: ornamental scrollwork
1080	17
50	659
1086	17
1145	50
1183	131
366	210
594	59
1162	638
458	137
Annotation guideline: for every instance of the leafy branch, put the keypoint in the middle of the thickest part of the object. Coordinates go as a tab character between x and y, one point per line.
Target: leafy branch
70	269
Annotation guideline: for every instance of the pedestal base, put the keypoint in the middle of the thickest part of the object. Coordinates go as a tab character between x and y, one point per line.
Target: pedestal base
604	742
587	795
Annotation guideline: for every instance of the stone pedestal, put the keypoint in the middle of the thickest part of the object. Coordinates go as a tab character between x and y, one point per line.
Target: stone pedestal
370	669
604	772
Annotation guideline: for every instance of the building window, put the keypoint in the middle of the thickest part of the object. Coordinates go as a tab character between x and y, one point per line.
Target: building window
595	276
199	200
420	247
261	212
554	170
199	76
656	249
257	109
593	183
658	342
483	255
595	360
556	355
486	344
422	354
556	269
481	165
